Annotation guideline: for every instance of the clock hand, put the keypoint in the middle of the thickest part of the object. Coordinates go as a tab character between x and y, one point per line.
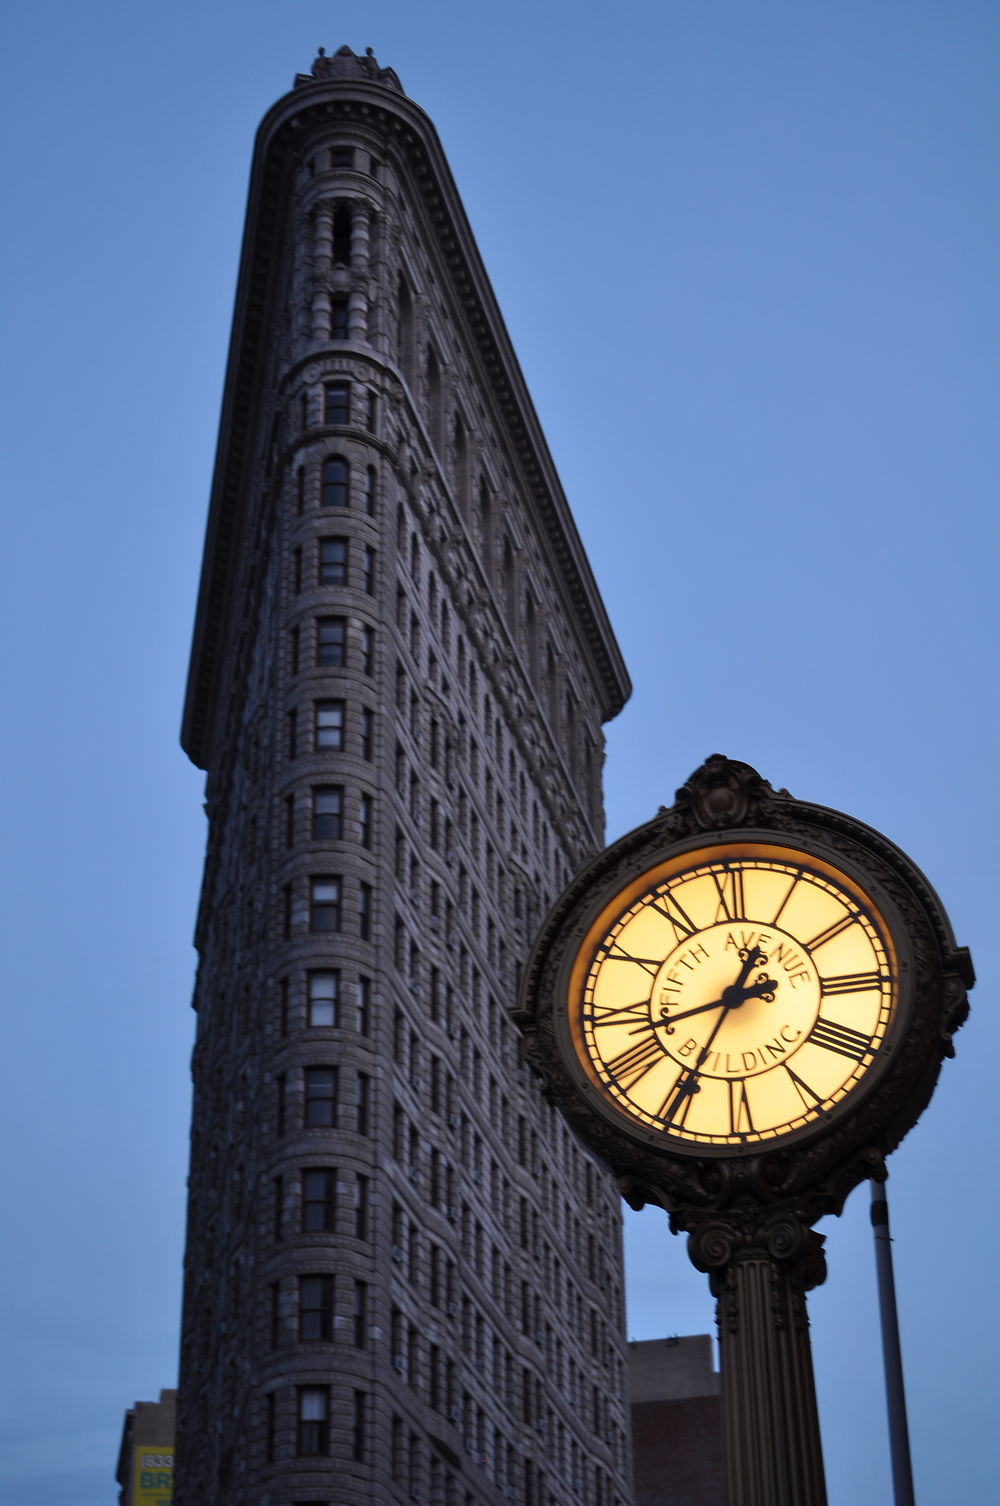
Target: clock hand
737	993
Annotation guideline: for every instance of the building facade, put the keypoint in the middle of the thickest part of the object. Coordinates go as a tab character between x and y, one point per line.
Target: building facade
403	1276
677	1440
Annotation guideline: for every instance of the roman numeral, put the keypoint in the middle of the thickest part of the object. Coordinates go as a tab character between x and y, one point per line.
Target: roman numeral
840	1038
619	954
603	1014
740	1119
682	923
628	1066
674	1108
732	904
805	1092
830	932
852	983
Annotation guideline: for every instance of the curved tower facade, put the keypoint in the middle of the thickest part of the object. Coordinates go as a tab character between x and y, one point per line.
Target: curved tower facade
403	1277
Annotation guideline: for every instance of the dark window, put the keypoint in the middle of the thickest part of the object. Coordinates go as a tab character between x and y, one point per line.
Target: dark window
319	1201
331	641
362	1103
358	1426
367	732
338	323
286	911
329	724
368	650
360	1315
324	992
327	812
313	1421
297	570
269	1427
324	904
372	414
315	1307
333	562
279	1208
293	733
289	820
294	650
363	1020
300	488
365	911
368	570
361	1206
341	156
342	236
336	475
365	812
321	1097
371	488
337	403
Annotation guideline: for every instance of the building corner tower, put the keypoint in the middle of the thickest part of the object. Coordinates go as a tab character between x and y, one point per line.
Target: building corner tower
403	1274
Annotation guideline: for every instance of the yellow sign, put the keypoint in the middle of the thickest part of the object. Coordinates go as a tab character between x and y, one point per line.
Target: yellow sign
152	1474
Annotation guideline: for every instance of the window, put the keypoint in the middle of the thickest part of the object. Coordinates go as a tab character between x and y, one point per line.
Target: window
336	475
364	1006
294	650
269	1401
371	486
331	641
315	1307
342	235
321	1097
365	812
362	1103
367	733
293	734
361	1206
365	911
297	569
324	991
368	650
313	1435
372	413
324	904
338	324
329	725
358	1426
360	1334
319	1201
327	812
368	570
337	403
333	562
341	156
300	474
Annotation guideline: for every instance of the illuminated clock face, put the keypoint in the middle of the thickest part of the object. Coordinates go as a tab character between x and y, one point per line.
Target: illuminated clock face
733	995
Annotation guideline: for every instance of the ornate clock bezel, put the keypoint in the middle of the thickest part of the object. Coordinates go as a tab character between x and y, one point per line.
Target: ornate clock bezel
728	802
612	897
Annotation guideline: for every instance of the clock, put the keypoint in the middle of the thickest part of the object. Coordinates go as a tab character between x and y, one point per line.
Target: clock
747	999
736	994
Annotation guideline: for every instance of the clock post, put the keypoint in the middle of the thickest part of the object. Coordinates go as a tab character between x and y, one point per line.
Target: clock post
742	1007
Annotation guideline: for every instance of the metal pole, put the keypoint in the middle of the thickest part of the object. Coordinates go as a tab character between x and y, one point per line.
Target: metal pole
899	1436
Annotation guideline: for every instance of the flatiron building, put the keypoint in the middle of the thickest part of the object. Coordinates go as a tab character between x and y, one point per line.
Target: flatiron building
403	1278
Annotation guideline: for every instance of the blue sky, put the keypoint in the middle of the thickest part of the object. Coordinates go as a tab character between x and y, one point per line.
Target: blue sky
747	256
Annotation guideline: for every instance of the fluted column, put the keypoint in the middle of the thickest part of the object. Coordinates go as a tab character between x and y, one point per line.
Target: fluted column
760	1270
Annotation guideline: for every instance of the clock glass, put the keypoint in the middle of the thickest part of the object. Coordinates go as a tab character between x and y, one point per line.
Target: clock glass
733	994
